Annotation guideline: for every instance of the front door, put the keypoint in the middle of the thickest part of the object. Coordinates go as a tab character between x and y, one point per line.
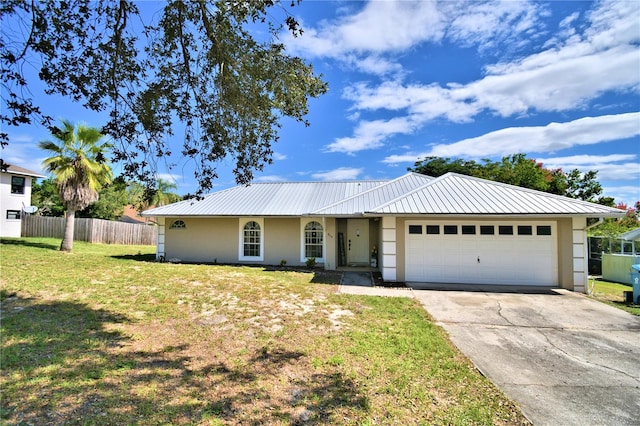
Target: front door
357	241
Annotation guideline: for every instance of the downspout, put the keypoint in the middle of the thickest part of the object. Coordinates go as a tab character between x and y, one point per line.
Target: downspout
593	225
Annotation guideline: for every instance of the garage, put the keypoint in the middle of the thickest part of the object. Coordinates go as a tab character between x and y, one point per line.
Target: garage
482	252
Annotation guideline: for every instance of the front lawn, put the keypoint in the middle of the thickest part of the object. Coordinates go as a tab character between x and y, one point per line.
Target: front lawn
612	293
105	335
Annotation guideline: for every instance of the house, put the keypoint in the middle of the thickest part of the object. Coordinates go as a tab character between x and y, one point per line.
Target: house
15	197
414	229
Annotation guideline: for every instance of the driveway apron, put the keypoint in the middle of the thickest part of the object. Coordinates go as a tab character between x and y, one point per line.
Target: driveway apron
564	358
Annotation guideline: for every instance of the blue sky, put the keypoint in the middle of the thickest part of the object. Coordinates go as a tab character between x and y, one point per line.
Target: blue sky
559	81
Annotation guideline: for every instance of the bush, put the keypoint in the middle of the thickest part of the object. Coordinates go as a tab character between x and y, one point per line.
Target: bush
311	262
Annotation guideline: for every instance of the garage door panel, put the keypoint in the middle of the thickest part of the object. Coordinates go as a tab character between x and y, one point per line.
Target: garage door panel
482	259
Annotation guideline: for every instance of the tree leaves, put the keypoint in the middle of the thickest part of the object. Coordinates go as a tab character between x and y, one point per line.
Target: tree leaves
519	170
211	73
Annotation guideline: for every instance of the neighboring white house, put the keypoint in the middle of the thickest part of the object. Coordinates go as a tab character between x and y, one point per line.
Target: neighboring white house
414	229
15	196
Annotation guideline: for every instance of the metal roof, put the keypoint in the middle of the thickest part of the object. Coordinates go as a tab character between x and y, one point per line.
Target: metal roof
632	235
454	194
365	201
267	199
411	194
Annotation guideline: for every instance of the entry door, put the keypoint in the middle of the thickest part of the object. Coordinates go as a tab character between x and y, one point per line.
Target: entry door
357	241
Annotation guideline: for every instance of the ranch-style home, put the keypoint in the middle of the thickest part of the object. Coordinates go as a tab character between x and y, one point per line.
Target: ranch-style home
414	229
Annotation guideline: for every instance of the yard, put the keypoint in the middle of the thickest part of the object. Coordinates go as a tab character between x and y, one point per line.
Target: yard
612	293
105	335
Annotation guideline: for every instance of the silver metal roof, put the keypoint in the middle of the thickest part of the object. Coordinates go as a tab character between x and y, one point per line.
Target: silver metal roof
268	199
455	194
367	200
411	194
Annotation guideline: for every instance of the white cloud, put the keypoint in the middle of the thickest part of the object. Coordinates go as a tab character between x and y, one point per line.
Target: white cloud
552	137
625	193
270	178
279	156
342	173
610	167
369	134
487	24
576	69
394	27
585	159
22	151
168	177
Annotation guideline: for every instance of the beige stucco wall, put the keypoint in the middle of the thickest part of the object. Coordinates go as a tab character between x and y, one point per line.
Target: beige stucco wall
213	240
203	240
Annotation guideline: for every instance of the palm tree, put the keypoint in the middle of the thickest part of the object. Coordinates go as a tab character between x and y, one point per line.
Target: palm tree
162	193
79	169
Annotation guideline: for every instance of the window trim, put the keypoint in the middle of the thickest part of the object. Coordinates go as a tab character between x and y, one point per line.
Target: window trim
432	229
23	187
241	224
541	230
484	229
505	230
303	224
176	224
413	229
18	214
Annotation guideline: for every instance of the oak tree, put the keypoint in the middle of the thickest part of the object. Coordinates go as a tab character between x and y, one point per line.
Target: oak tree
213	74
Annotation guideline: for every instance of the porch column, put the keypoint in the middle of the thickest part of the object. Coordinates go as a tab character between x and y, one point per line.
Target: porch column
160	254
580	267
389	241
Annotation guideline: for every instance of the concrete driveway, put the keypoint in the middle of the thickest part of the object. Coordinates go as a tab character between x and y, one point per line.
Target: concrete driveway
565	359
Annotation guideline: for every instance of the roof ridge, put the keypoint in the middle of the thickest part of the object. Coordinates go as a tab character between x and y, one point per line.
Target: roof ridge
386	183
406	194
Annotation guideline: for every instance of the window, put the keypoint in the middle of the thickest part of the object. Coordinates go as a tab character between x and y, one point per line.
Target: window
17	184
468	230
544	230
433	229
251	239
13	214
487	230
415	229
313	240
505	230
178	224
525	230
450	229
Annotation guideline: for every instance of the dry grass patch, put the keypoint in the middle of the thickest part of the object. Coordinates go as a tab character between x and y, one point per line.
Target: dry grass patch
107	336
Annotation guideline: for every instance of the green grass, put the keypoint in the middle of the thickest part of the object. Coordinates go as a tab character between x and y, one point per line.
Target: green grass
612	294
105	335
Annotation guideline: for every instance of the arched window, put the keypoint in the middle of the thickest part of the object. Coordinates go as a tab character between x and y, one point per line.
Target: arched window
251	240
178	224
313	240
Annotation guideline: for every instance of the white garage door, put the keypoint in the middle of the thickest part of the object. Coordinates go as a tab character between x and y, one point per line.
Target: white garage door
505	253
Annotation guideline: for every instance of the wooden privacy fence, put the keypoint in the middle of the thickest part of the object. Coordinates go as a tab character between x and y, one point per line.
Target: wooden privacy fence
91	230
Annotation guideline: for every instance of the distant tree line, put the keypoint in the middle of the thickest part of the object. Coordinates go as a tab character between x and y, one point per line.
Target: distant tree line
519	170
525	172
112	198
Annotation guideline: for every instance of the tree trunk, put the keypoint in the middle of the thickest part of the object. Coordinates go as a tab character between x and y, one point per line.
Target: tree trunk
67	240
